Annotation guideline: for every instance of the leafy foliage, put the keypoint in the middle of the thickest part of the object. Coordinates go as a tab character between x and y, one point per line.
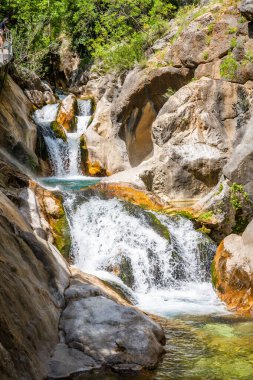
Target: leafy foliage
113	31
228	67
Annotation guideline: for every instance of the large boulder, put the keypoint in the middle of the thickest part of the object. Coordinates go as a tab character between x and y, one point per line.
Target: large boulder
193	135
233	271
99	330
246	9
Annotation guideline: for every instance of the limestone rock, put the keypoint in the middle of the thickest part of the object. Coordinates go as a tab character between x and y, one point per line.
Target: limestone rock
239	167
101	332
33	281
194	134
18	132
67	112
246	9
233	271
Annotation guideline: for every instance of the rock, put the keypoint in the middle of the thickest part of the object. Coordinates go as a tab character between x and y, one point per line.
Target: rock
28	80
66	114
239	167
34	277
44	211
69	361
39	99
137	105
69	62
233	271
246	9
18	132
192	143
104	333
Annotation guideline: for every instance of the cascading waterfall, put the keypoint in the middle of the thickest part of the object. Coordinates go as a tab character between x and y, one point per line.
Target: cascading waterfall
163	259
73	139
65	157
57	148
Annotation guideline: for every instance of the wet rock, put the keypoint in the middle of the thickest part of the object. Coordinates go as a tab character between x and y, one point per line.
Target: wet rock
66	114
232	271
246	9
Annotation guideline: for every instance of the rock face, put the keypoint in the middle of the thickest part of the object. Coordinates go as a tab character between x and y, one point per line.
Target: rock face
195	131
233	271
18	132
34	277
100	332
246	9
38	92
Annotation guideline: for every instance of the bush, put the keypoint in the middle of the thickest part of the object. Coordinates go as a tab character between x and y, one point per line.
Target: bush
229	67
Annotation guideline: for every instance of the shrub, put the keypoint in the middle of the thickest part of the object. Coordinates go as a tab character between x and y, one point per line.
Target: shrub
229	67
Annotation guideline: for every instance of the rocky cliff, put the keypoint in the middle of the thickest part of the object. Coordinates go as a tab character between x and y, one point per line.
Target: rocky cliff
180	127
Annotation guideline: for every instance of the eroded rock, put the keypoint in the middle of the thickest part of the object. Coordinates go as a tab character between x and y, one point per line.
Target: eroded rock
233	271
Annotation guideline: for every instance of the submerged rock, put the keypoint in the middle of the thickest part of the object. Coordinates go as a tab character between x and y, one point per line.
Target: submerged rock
232	271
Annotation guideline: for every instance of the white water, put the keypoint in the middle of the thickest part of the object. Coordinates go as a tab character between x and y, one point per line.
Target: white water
169	277
65	157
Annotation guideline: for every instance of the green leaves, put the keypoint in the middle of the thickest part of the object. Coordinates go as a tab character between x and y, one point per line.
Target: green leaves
114	31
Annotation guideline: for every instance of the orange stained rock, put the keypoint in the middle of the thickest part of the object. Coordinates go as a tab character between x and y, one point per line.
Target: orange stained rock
136	196
235	286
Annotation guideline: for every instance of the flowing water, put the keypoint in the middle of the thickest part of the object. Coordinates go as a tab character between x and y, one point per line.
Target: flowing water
161	262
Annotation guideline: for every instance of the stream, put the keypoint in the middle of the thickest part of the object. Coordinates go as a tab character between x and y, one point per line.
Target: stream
161	262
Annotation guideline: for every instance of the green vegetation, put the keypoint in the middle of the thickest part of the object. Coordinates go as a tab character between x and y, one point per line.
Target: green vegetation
238	195
205	55
113	34
232	30
206	216
229	67
170	91
233	43
248	58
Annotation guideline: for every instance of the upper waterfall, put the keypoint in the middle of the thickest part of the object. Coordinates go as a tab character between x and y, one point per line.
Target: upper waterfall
65	156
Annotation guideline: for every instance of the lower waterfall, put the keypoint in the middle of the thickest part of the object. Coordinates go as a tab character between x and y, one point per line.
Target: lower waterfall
163	259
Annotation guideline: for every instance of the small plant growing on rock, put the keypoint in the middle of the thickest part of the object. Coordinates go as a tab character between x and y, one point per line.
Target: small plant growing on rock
248	57
237	195
205	55
233	43
232	30
229	67
169	93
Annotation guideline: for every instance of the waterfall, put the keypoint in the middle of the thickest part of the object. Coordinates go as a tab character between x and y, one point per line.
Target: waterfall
57	148
65	157
163	259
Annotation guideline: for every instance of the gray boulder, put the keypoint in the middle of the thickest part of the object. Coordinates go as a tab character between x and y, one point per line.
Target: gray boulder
99	330
246	9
